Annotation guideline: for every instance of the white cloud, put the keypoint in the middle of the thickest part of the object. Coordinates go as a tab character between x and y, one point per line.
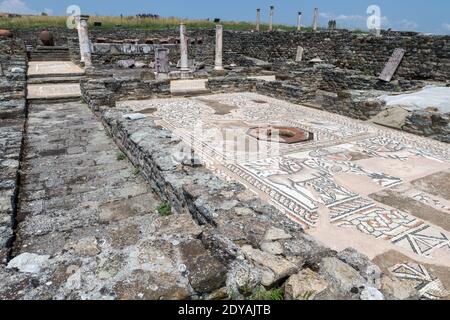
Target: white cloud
326	15
446	26
408	24
16	6
48	11
352	21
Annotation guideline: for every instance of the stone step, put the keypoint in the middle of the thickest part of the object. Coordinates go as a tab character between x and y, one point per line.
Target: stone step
54	100
54	58
56	75
188	87
47	50
55	80
49	54
52	47
53	92
190	92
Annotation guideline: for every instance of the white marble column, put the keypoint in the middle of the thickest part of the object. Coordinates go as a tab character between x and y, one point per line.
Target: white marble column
218	65
315	19
258	19
271	18
77	21
85	44
184	62
299	21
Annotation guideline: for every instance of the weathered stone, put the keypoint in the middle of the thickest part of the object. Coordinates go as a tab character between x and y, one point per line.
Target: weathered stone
275	268
345	280
274	248
370	293
126	64
29	263
85	247
242	277
205	272
397	289
362	264
144	285
274	234
307	251
177	224
219	294
305	285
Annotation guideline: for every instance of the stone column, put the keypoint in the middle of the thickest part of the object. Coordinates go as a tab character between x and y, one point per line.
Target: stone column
299	56
184	62
218	65
85	44
316	17
77	21
299	21
258	19
271	18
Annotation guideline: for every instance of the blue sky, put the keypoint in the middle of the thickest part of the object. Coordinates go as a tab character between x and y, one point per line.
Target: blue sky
418	15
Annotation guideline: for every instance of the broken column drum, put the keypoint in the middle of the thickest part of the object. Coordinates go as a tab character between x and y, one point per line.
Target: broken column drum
218	65
184	62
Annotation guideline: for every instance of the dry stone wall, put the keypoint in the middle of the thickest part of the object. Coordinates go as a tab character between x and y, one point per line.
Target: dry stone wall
13	69
427	57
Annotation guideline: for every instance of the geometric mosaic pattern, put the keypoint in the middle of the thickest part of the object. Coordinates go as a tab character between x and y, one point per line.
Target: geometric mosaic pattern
297	178
423	240
429	287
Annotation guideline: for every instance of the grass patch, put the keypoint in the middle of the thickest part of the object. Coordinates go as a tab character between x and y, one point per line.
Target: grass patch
120	156
109	22
262	294
164	209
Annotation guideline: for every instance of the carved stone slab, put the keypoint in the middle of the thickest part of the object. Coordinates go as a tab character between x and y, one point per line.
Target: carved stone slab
162	60
392	65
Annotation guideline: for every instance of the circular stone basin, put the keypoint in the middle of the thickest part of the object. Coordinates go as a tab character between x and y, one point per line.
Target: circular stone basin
280	134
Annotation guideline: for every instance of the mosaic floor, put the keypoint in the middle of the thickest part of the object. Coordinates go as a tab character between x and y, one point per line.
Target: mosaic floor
349	177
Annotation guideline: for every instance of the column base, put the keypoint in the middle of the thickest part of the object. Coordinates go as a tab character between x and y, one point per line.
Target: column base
186	74
161	76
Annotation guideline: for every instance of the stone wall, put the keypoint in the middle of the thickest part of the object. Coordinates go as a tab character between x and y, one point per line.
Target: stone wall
427	57
355	104
13	69
104	88
429	123
231	84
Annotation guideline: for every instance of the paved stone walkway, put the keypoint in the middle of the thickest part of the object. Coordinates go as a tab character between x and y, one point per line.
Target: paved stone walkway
71	178
88	227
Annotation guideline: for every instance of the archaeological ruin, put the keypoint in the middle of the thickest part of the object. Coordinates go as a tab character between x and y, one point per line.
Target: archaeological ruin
215	164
